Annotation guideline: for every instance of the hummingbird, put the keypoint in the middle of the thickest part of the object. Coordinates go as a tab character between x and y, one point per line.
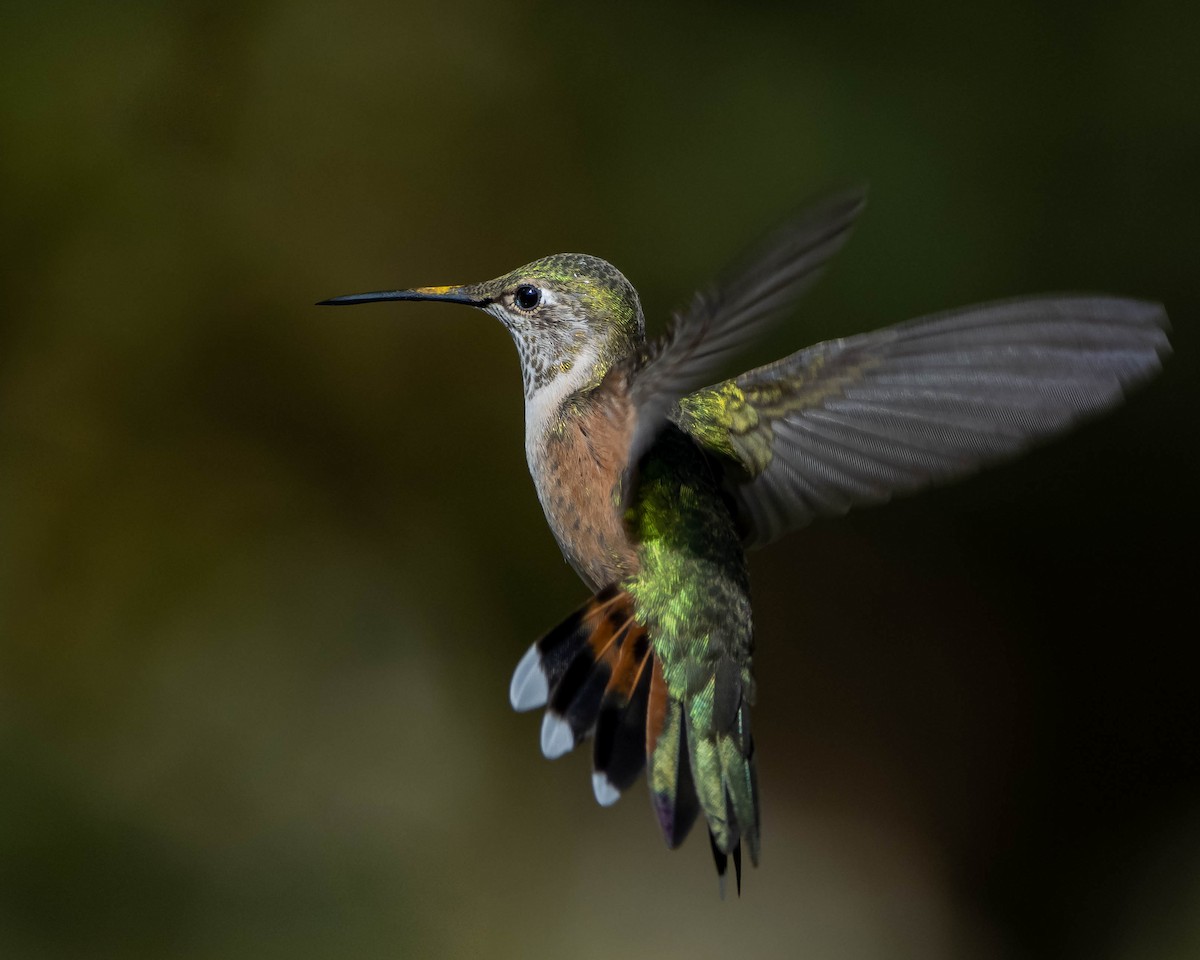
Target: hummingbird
656	477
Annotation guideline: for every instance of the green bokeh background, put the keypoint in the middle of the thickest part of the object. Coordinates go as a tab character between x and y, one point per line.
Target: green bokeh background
264	570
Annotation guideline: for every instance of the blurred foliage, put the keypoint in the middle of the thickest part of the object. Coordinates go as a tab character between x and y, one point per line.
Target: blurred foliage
264	570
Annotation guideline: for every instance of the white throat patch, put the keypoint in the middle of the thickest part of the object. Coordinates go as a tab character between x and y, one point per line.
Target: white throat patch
542	406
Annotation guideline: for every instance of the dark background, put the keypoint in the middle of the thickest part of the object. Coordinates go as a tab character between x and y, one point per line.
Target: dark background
265	570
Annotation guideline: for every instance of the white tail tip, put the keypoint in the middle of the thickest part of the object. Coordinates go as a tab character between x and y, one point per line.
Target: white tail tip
557	737
606	793
529	688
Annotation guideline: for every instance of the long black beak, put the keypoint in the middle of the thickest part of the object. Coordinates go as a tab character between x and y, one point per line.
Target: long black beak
443	294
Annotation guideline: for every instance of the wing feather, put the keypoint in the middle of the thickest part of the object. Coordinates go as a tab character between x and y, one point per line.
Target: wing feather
723	319
856	421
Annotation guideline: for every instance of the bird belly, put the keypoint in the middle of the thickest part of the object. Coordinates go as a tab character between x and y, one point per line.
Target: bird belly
577	466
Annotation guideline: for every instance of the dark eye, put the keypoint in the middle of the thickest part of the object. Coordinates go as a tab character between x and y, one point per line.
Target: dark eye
527	297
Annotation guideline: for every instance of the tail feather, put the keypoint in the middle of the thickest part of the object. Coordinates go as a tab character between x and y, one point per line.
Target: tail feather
575	701
619	752
672	787
741	781
721	859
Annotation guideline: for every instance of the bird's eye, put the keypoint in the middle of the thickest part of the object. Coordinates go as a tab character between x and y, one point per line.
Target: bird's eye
527	296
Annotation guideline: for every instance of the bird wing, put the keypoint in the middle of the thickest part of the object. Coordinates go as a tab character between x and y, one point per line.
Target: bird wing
721	320
856	421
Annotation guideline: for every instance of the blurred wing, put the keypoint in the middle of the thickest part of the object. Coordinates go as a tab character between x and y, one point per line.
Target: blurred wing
857	421
723	319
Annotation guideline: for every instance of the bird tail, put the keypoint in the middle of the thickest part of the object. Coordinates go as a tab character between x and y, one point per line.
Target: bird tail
597	674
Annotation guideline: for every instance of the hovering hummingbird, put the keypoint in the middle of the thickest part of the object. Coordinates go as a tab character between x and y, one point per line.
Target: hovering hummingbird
656	481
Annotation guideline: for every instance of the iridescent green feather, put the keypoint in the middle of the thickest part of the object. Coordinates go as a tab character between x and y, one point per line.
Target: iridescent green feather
734	418
692	591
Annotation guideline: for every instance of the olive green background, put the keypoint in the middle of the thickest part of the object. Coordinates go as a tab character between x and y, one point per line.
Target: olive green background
265	568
